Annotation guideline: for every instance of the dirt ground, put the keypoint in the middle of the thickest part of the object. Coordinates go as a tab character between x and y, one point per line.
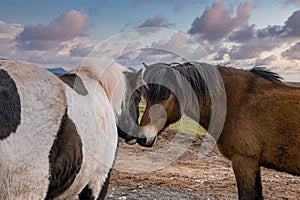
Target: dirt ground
210	176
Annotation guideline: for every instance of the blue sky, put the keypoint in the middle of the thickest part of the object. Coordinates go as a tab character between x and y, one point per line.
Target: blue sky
242	33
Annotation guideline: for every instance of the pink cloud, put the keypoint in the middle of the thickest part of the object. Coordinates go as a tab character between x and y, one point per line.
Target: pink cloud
80	50
244	34
293	52
254	48
265	61
217	21
64	28
252	42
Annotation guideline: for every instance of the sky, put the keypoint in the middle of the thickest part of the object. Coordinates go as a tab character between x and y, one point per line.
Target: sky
243	34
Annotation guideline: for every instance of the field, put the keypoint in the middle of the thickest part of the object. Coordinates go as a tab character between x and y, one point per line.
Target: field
140	174
190	176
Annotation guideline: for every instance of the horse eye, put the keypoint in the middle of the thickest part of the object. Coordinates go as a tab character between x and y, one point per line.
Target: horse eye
166	97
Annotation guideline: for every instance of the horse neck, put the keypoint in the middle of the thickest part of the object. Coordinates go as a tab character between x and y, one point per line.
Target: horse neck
200	110
210	111
237	83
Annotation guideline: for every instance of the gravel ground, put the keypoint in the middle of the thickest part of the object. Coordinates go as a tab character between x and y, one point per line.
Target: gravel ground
189	176
155	193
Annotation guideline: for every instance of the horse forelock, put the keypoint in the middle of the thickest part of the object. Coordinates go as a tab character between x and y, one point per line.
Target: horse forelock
112	79
157	78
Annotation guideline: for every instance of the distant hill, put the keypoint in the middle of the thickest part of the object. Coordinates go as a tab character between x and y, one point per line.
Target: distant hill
294	83
58	70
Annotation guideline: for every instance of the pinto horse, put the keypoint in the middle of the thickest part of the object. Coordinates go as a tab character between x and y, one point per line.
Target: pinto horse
58	134
261	121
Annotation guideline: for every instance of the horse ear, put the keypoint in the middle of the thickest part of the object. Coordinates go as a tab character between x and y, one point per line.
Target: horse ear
145	65
140	77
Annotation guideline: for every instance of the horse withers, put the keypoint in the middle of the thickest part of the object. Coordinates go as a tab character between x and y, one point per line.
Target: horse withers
58	134
261	115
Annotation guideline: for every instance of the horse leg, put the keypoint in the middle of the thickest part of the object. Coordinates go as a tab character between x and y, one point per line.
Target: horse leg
104	188
87	193
248	178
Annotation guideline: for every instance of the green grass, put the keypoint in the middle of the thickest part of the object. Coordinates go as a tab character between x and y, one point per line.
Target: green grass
185	124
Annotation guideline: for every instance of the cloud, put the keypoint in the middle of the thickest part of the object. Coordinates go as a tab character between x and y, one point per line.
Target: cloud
221	53
51	58
292	25
271	31
294	2
254	48
43	37
177	4
265	61
244	34
217	21
9	30
181	44
135	59
6	47
157	21
290	29
80	50
176	47
250	43
293	53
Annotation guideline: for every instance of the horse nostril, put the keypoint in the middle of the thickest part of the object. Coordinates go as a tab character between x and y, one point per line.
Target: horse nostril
153	142
142	141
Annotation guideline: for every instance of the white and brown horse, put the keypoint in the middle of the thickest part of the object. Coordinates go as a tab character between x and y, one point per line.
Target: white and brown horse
261	115
58	134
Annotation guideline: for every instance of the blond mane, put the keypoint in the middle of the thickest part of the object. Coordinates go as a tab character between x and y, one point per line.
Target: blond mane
111	77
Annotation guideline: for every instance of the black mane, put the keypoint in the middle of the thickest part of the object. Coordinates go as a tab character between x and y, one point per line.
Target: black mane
266	74
189	74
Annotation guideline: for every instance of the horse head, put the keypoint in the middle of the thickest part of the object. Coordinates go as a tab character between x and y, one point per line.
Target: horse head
128	118
162	105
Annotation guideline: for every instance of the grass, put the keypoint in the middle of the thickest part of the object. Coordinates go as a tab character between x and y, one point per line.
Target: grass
185	124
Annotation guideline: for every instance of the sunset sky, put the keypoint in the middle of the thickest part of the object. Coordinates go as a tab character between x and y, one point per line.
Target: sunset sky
62	33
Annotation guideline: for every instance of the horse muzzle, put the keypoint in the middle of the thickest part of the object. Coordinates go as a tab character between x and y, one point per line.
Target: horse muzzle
146	142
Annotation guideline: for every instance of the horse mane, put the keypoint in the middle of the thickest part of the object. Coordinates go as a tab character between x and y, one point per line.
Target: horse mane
155	74
111	78
194	75
266	74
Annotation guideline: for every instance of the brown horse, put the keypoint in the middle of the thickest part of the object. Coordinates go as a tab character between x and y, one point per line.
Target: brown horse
253	116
